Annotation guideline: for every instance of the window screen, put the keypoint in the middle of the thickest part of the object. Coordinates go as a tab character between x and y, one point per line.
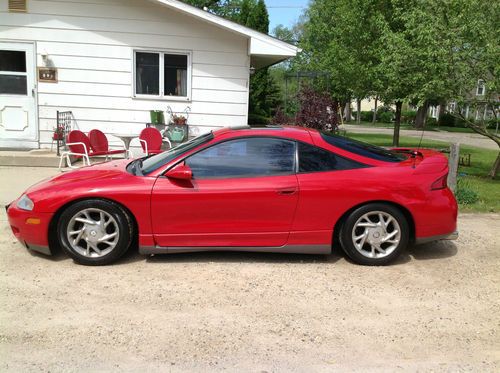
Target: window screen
314	159
248	157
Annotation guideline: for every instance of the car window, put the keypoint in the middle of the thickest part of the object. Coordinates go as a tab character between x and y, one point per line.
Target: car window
248	157
156	161
314	159
362	148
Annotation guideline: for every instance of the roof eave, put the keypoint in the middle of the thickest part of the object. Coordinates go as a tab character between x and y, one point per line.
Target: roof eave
287	49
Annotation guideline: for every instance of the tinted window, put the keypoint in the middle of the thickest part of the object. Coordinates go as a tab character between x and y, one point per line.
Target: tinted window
363	149
314	159
156	161
244	158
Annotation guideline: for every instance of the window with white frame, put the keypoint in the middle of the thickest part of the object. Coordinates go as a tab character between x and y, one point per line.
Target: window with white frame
480	88
162	74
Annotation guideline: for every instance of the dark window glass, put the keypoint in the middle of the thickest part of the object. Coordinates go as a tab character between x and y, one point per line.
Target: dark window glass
13	84
156	161
314	159
13	61
362	148
147	69
244	158
175	74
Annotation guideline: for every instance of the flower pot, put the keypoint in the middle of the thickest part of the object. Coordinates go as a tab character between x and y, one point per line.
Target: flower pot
157	117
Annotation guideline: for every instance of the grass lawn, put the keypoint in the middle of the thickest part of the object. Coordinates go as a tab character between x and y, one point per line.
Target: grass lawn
475	176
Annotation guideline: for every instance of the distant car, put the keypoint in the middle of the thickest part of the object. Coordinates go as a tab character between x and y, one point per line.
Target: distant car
271	189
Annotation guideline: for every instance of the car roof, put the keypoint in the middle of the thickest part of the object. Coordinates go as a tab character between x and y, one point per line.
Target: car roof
294	132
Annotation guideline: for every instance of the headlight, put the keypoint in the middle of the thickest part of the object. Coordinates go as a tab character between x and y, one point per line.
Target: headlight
25	203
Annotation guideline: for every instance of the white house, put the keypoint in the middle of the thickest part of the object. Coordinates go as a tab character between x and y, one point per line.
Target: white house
117	59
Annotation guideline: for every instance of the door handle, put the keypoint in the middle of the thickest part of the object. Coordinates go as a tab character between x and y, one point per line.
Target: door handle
286	191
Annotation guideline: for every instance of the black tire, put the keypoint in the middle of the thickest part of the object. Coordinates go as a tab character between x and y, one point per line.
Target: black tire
393	251
122	223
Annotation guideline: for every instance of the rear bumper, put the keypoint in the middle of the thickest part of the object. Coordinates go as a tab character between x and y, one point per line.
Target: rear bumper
449	236
32	236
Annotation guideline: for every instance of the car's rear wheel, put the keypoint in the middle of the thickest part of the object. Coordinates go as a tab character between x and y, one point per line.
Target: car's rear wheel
375	234
95	232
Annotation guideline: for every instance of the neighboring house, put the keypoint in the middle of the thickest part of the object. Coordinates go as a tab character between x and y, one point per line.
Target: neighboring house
117	59
476	106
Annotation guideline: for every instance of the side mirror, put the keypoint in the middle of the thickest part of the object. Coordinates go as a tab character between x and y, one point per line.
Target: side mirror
180	172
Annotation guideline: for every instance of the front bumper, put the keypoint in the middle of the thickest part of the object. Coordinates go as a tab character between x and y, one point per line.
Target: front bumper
30	228
450	236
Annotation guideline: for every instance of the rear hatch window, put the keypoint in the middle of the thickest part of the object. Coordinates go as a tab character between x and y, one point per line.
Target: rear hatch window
363	149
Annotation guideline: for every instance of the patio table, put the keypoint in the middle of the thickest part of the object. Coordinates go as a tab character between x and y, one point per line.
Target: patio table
126	138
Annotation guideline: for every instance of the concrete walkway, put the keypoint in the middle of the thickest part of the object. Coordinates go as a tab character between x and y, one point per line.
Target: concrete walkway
472	139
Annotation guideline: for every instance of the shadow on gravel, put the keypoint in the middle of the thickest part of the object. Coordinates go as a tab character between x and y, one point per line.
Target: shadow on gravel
236	257
434	250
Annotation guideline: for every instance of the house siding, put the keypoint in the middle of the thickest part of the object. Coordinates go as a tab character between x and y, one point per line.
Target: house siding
91	44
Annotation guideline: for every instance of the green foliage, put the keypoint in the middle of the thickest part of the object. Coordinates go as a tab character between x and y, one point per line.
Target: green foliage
256	119
366	116
466	194
431	122
385	117
384	109
408	116
447	120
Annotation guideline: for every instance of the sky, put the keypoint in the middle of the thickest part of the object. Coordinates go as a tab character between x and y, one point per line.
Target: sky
285	12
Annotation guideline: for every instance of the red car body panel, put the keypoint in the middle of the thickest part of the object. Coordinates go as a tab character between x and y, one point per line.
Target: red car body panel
272	211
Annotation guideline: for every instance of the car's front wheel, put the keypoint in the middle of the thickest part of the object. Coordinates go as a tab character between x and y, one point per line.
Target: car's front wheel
95	232
375	234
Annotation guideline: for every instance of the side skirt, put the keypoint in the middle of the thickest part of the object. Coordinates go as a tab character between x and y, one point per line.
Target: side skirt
289	249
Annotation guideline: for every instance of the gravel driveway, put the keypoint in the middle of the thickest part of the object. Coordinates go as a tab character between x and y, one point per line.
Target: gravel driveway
436	309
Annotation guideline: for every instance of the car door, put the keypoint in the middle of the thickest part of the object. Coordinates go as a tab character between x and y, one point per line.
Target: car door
243	192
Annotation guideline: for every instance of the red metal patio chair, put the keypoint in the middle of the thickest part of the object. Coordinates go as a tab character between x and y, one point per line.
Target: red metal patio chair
151	140
99	145
79	146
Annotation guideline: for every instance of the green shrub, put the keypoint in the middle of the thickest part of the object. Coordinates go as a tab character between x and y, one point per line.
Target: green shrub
384	109
408	116
447	120
466	194
257	119
492	124
366	116
459	122
385	117
431	122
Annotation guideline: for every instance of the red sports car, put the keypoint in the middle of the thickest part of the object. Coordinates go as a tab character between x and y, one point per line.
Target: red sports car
274	189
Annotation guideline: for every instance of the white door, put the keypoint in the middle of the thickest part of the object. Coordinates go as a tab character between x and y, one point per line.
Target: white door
18	122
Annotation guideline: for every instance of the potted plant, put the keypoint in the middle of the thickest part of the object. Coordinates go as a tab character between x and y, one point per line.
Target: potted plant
179	120
58	134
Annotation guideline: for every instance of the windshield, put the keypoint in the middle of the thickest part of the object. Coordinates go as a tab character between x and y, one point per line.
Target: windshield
156	161
362	148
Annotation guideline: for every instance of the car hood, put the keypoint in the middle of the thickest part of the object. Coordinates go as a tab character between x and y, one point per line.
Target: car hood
96	172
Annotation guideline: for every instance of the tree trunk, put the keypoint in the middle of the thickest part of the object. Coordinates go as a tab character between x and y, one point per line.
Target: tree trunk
496	168
441	111
358	114
374	120
421	116
397	123
347	111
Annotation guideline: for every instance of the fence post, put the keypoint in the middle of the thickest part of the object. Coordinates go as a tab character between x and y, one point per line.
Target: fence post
453	166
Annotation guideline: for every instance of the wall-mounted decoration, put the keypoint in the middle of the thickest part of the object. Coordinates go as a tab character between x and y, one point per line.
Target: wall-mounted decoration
47	74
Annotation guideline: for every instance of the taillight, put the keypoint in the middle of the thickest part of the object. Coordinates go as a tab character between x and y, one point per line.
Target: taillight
440	183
